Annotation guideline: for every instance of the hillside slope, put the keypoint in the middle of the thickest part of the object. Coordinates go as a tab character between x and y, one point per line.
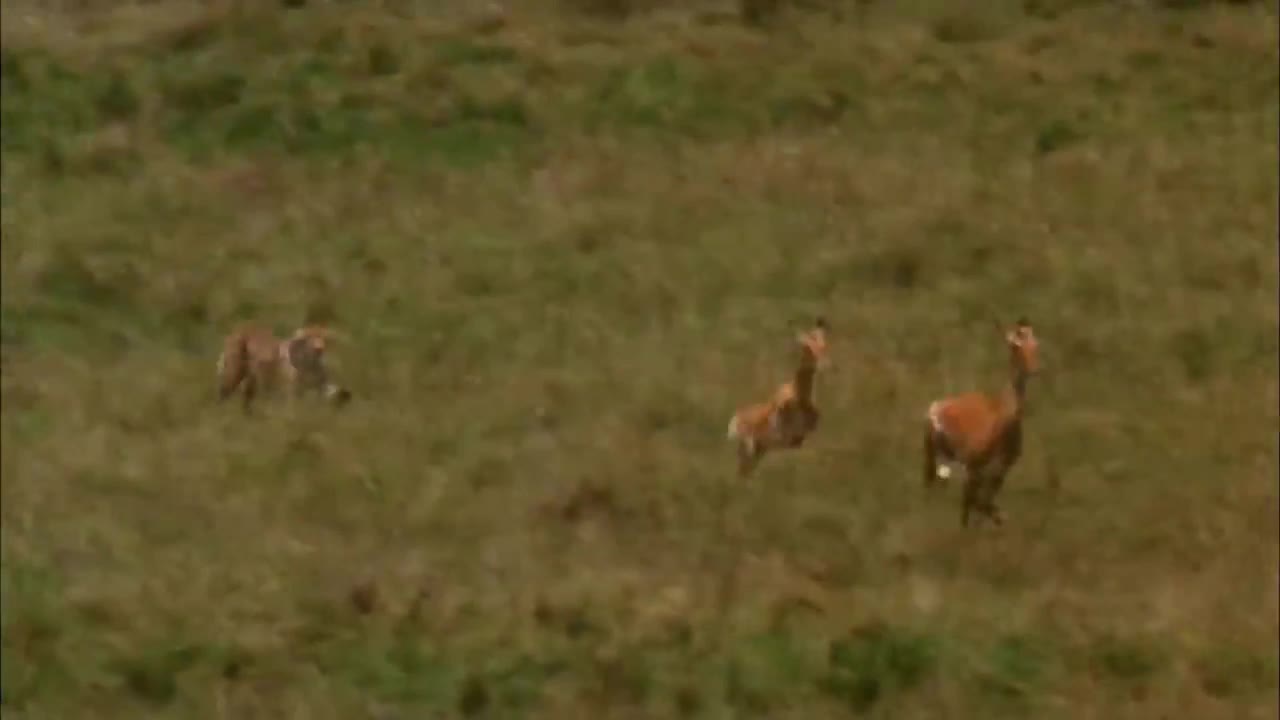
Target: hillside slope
565	249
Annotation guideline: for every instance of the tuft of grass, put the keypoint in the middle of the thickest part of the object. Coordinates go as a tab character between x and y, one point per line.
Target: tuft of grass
875	661
1129	661
768	670
1230	671
1014	669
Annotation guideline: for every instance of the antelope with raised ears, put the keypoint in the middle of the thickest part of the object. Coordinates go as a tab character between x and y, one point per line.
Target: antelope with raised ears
982	431
787	418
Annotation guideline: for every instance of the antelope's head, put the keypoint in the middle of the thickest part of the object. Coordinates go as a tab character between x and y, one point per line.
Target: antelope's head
1024	349
812	345
308	345
315	338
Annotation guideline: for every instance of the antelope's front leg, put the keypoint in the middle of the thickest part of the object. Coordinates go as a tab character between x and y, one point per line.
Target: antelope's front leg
312	380
996	515
972	496
336	394
749	454
295	389
989	508
784	428
249	390
809	418
812	417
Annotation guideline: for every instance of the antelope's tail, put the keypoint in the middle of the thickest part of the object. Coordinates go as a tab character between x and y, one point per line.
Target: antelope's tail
930	455
733	428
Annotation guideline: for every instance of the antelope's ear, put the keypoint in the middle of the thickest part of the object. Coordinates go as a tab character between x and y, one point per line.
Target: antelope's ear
820	323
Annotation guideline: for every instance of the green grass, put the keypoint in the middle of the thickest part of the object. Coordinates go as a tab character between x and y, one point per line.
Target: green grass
565	247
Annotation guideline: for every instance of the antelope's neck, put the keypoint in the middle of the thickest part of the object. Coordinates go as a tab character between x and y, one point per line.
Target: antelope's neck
805	380
1013	397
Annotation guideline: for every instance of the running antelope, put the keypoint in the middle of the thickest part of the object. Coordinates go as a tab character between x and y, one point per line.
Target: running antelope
982	431
253	358
785	420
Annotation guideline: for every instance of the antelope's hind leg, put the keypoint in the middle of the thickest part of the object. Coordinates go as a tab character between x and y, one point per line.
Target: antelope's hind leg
930	456
749	452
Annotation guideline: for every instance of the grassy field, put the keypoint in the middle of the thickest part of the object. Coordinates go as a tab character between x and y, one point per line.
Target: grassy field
565	246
